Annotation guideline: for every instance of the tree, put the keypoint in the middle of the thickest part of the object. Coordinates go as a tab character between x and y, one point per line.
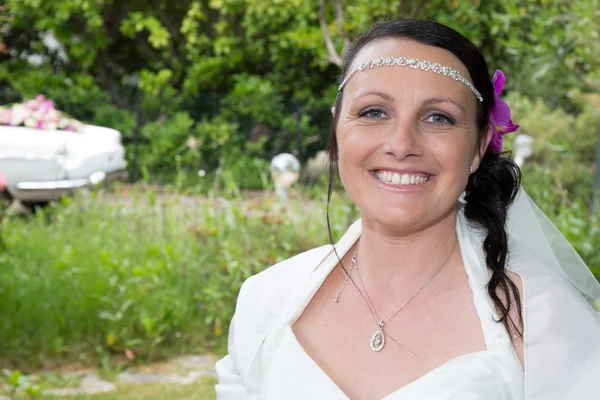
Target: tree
250	62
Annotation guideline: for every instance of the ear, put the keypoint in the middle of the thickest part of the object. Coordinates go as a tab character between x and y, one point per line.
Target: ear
333	111
483	145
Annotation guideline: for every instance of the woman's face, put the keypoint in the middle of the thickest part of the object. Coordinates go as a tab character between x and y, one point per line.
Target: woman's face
406	137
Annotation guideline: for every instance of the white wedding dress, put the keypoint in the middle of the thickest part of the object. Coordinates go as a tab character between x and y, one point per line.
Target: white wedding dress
561	340
491	374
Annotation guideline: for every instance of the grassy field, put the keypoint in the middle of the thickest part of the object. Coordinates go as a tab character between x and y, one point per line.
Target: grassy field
140	272
203	389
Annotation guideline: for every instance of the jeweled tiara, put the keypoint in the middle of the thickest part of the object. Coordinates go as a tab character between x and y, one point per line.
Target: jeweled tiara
414	63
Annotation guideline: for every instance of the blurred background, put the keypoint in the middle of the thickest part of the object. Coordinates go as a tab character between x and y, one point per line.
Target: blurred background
199	97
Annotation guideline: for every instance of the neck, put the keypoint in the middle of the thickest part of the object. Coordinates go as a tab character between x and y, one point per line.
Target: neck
392	262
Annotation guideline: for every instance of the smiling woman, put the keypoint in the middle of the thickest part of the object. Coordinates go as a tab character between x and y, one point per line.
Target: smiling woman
447	287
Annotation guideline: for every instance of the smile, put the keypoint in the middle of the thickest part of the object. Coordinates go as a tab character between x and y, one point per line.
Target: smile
396	179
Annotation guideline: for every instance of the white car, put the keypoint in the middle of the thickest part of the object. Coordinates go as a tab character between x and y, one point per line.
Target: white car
38	166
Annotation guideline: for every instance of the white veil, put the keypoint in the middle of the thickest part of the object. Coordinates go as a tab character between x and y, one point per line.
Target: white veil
561	329
531	227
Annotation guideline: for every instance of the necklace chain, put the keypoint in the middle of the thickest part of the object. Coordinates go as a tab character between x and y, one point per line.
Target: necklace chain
378	339
380	321
343	284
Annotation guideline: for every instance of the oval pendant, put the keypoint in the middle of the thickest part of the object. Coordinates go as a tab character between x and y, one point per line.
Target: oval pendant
378	340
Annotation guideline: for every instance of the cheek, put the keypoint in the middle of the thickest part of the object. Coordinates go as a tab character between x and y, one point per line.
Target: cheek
349	147
347	159
353	151
457	162
359	141
454	156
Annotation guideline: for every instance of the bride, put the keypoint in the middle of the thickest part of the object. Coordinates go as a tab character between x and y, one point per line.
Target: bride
447	287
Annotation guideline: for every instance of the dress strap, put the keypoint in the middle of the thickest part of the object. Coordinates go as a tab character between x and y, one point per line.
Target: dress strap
473	258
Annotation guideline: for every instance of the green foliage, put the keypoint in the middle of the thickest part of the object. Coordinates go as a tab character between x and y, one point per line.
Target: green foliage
143	270
254	97
166	139
583	232
20	384
546	48
249	63
564	145
137	22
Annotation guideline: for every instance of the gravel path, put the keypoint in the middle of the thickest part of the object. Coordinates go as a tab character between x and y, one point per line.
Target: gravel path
182	370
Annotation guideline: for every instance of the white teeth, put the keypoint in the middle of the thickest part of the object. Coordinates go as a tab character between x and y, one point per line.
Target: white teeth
395	178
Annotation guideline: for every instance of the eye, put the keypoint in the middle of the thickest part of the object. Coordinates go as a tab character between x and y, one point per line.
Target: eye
373	113
440	118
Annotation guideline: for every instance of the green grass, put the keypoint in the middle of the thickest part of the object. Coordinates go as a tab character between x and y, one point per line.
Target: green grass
203	389
154	273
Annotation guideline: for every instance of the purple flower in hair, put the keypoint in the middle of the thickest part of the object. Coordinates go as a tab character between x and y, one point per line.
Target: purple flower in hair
500	114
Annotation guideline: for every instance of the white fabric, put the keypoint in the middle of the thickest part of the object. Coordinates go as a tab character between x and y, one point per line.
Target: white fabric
528	225
562	331
562	335
492	374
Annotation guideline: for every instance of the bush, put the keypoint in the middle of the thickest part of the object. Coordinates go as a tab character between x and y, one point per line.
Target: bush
564	146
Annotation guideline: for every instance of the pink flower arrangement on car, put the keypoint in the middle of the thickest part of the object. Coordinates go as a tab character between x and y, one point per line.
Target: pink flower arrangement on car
38	114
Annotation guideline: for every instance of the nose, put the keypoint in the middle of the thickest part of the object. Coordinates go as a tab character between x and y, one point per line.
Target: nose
403	140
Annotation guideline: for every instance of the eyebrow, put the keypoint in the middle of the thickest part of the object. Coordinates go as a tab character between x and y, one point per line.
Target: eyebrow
384	96
443	100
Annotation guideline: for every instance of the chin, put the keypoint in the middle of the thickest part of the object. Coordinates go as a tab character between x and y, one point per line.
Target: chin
397	220
403	218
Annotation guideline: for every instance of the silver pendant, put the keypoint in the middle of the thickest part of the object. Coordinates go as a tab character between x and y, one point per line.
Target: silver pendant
378	340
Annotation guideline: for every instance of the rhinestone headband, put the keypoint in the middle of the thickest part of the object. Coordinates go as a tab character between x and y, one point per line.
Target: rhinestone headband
414	63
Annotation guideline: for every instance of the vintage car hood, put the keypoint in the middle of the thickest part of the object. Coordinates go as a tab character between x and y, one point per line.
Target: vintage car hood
23	142
31	155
